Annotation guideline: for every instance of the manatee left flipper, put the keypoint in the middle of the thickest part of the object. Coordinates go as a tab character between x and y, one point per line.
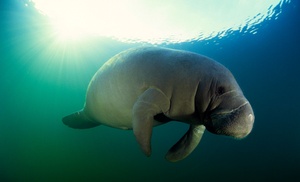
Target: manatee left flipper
186	144
79	120
152	102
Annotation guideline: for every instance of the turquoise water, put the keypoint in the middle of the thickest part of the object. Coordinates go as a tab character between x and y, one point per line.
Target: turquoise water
42	81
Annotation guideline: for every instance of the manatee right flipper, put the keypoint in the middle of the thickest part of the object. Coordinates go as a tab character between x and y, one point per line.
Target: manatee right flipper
152	102
79	120
186	144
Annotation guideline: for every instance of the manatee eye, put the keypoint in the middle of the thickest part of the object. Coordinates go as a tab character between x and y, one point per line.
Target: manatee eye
220	90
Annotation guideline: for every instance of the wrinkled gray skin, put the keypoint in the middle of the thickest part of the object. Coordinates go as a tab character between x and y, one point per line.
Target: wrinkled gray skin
148	86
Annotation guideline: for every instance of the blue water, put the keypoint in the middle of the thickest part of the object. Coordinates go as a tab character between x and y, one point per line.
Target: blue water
41	83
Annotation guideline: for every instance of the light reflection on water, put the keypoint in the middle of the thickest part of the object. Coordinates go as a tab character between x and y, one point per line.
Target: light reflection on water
156	21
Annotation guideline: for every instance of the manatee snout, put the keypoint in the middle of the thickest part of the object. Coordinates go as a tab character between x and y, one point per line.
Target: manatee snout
236	123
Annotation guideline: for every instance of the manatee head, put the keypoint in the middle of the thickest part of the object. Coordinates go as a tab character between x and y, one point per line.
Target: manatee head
227	111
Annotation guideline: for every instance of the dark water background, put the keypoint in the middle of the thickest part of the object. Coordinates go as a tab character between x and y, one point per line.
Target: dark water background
41	82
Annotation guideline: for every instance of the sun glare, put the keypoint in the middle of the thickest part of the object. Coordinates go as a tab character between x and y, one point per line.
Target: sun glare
154	21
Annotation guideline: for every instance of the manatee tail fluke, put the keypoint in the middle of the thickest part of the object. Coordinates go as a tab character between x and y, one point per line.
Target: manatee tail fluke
79	120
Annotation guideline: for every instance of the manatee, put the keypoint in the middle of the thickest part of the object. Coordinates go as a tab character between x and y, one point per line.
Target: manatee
148	86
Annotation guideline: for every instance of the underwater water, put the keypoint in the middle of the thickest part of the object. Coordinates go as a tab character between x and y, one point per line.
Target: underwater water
43	80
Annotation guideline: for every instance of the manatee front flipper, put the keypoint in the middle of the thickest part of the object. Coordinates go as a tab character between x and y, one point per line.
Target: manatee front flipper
79	120
186	144
152	102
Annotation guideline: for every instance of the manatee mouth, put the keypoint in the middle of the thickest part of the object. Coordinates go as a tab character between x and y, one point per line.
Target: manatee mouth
237	123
